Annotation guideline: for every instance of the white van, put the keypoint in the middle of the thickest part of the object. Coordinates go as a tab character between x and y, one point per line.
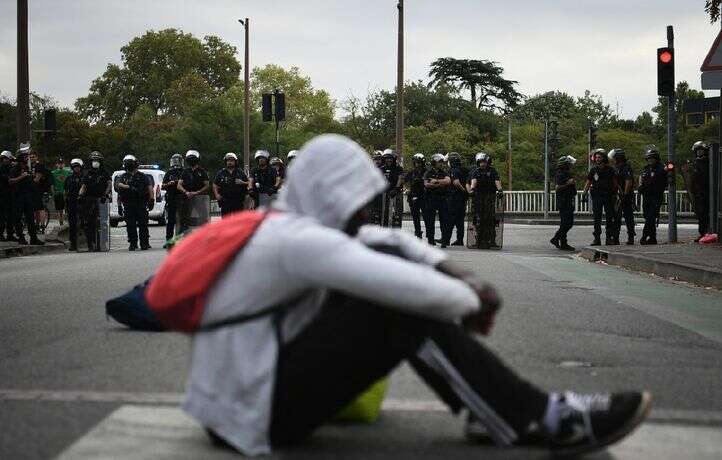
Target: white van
158	213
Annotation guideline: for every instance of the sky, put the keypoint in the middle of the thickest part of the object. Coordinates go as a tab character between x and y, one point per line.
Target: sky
348	47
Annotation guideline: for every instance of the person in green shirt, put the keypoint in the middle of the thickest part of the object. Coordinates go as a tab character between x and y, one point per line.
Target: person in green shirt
60	173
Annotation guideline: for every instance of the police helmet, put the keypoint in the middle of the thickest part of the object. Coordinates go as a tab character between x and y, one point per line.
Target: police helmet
193	154
419	157
23	151
601	152
438	158
230	156
276	161
261	154
566	160
7	154
700	148
292	154
389	153
130	161
454	157
377	154
95	156
176	161
482	156
76	162
651	152
617	155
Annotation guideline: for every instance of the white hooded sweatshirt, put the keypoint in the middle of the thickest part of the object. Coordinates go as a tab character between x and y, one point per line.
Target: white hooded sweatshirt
303	250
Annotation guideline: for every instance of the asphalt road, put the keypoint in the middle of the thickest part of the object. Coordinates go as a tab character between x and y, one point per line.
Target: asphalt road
566	324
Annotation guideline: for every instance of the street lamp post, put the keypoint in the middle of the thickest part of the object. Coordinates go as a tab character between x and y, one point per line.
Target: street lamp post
400	84
246	100
546	168
23	78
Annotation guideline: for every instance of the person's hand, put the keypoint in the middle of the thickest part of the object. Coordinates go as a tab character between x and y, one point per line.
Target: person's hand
239	182
189	195
482	320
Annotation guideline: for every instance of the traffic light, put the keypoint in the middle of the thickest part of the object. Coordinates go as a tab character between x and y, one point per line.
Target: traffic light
665	72
280	105
266	104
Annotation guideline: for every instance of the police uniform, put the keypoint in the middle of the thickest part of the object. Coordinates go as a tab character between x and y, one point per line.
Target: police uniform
172	196
653	183
232	192
264	185
135	202
392	174
41	187
72	190
436	203
7	223
485	205
416	197
565	204
701	193
602	191
193	180
23	206
96	184
457	203
623	173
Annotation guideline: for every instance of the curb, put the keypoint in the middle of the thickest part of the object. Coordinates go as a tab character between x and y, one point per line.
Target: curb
675	270
30	250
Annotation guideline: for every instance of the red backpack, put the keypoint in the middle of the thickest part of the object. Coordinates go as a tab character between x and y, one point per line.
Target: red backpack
177	292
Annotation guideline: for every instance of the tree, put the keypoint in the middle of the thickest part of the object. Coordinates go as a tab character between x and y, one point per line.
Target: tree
154	65
682	93
712	7
483	79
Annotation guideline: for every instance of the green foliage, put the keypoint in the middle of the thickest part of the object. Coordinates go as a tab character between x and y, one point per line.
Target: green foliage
712	7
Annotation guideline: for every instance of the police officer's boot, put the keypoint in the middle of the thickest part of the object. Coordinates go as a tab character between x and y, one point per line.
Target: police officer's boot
22	240
596	242
564	246
35	241
555	242
630	240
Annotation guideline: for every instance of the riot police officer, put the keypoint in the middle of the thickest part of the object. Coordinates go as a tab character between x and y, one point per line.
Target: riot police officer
485	189
602	183
94	191
172	195
652	184
566	191
230	186
378	157
700	188
277	165
394	174
73	183
193	182
625	181
21	182
415	196
290	157
136	191
7	223
264	180
436	183
457	197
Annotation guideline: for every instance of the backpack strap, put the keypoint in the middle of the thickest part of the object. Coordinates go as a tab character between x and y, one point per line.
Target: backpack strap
275	310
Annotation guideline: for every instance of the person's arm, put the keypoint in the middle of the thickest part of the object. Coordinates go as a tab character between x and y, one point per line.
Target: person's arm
472	186
83	190
401	242
167	183
217	192
15	180
628	186
206	185
445	182
108	187
181	188
587	185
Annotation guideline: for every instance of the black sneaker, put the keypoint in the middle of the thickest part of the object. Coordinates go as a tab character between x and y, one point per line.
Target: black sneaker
652	240
73	247
36	242
144	247
457	243
555	243
596	242
594	421
565	247
132	247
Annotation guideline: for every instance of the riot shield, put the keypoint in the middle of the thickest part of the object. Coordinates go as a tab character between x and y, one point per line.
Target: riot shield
499	211
494	228
193	213
688	178
103	225
471	226
398	215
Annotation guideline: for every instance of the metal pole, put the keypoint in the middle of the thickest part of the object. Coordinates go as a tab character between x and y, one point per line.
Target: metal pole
546	169
23	77
400	84
508	159
671	131
277	138
247	102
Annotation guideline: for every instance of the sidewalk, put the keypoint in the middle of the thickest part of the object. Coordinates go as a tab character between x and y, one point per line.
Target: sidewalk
685	261
52	243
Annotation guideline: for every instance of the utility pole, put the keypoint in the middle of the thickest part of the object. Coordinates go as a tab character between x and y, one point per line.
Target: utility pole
246	100
671	132
400	84
546	168
23	78
508	158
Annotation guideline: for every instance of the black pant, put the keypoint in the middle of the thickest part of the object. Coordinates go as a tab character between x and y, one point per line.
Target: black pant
650	209
437	204
603	202
171	207
457	213
485	219
7	223
89	219
626	212
353	343
72	209
136	221
701	210
23	207
566	220
229	206
417	207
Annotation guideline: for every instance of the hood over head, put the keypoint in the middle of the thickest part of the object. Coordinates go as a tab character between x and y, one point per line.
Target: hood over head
331	179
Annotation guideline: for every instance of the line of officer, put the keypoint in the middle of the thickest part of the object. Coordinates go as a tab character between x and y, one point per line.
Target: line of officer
73	183
136	191
23	192
264	180
230	186
700	188
566	192
193	182
436	183
485	188
458	196
95	190
625	181
652	184
7	222
172	195
416	194
602	183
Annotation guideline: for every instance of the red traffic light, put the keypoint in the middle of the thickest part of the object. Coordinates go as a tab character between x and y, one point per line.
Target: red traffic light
665	57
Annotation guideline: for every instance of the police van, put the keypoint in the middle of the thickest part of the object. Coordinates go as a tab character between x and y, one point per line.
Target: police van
158	213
